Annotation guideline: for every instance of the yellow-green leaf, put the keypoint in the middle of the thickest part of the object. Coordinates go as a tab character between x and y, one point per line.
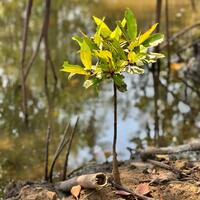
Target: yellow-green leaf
104	54
116	33
86	55
102	27
132	56
76	69
146	35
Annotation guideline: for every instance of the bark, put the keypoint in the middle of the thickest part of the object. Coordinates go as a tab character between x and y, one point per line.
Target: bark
115	170
88	181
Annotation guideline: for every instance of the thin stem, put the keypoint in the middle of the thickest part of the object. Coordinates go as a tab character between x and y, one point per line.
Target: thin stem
47	153
68	150
115	171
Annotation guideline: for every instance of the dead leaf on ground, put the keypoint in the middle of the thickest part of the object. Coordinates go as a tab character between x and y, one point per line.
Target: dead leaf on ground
75	191
143	189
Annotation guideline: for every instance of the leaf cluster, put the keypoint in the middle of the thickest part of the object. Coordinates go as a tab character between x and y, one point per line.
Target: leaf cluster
108	54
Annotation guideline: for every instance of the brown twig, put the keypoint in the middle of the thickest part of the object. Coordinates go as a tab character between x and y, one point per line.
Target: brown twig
68	149
48	135
23	56
59	149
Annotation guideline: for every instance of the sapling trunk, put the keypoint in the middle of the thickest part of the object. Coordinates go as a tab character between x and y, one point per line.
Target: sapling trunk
115	170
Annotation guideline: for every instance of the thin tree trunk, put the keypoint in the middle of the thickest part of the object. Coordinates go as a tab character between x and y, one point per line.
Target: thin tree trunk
23	56
168	44
43	36
115	170
156	73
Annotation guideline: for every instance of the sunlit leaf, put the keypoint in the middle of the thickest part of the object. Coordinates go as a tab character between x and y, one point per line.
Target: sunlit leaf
76	69
131	24
86	55
104	54
102	27
146	35
116	33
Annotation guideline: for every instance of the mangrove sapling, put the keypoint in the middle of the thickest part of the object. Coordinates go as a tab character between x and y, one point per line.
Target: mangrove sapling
115	52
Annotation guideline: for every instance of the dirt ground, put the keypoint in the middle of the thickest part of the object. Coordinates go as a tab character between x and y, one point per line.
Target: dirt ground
146	179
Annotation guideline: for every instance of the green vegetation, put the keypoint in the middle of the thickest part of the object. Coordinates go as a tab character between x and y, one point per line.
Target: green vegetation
109	54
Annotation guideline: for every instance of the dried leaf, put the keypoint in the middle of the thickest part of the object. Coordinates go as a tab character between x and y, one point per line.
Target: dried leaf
75	191
143	189
122	192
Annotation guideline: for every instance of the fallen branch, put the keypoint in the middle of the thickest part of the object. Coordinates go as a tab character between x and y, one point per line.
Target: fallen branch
88	181
176	171
151	153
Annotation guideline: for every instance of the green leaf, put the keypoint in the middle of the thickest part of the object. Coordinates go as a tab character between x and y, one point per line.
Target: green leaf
102	28
118	49
131	24
154	40
134	70
86	55
78	39
146	35
76	69
119	82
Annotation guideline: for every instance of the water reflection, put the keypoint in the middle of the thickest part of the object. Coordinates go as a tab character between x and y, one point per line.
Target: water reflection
22	149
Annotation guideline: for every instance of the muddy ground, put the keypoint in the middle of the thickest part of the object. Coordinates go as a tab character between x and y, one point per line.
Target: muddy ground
145	178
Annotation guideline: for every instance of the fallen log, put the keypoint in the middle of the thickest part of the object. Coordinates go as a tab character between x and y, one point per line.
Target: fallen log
88	181
152	152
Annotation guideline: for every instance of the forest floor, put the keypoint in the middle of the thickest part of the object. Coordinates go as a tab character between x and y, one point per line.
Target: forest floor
180	182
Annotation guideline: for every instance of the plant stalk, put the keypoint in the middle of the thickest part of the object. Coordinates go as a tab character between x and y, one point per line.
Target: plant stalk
115	170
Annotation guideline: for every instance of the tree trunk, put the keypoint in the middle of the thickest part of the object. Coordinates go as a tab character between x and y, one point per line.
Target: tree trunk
115	170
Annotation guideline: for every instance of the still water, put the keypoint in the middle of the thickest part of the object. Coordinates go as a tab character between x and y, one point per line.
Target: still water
22	149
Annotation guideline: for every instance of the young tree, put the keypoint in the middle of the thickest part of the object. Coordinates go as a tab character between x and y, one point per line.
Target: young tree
110	54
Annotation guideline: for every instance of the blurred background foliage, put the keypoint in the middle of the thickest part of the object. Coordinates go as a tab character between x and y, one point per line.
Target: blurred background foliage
22	148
